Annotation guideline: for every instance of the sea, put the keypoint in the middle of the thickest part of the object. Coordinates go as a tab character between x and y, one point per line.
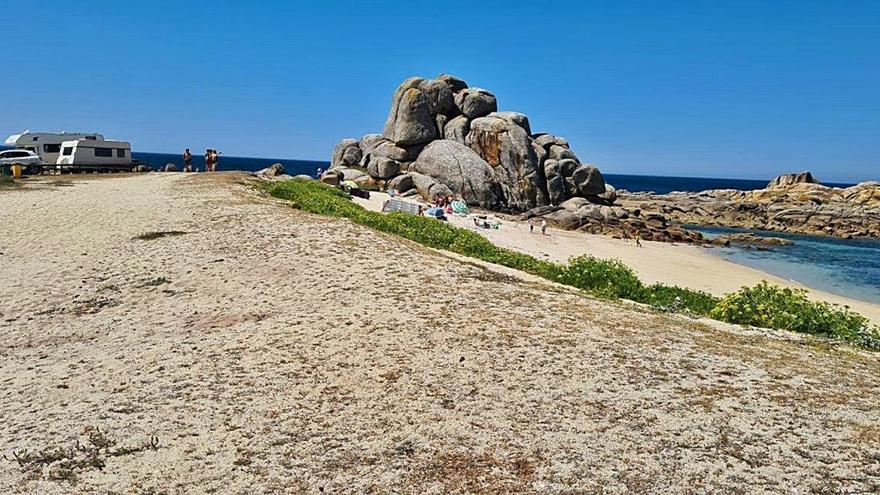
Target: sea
850	268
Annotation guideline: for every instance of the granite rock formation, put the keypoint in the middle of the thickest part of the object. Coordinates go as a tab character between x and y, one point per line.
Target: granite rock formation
444	129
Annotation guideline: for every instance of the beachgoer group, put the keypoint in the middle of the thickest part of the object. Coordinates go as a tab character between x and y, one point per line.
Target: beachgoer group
211	159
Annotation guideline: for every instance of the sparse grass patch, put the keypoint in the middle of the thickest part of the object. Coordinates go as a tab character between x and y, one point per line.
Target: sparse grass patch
149	236
762	305
66	463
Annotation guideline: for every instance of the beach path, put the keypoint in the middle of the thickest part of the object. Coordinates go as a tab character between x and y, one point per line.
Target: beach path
228	343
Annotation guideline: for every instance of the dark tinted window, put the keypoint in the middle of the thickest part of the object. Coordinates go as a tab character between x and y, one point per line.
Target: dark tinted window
68	150
103	151
120	153
51	148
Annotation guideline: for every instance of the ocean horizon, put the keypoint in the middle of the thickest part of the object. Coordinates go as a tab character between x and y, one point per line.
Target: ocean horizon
660	184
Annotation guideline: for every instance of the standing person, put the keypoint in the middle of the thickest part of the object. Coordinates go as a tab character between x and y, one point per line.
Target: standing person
638	238
319	172
208	158
543	226
531	226
215	160
187	161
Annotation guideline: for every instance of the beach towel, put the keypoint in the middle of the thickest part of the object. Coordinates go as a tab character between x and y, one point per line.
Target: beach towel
400	205
459	207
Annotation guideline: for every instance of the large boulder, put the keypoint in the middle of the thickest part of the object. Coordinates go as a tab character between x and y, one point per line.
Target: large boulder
540	152
475	102
589	180
508	149
556	188
369	142
428	187
455	84
349	173
559	153
440	97
544	140
383	168
273	170
517	118
390	150
457	129
463	171
332	177
170	167
347	153
411	120
401	183
788	180
441	120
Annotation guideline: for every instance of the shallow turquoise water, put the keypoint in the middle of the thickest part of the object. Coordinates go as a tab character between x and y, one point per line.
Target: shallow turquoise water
849	268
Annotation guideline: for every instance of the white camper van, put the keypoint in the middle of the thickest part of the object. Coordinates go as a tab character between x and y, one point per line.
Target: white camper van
47	145
84	153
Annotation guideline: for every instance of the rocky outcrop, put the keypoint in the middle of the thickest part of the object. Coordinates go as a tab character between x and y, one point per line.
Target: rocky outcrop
444	137
273	170
750	240
170	167
616	221
792	179
525	170
799	207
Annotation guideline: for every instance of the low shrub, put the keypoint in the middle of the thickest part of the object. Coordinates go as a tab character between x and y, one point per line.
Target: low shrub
769	306
606	278
678	300
762	305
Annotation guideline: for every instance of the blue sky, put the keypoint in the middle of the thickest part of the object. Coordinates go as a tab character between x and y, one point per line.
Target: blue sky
740	89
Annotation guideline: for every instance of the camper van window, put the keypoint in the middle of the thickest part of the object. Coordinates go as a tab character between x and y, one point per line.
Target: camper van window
68	150
103	151
91	138
120	153
51	148
35	138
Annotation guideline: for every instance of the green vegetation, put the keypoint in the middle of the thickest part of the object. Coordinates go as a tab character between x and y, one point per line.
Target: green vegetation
762	305
789	309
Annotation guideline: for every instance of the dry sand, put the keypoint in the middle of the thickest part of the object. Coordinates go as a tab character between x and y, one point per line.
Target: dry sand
677	264
271	351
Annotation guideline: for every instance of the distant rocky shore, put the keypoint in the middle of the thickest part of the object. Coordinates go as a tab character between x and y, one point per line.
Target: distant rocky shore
443	137
794	203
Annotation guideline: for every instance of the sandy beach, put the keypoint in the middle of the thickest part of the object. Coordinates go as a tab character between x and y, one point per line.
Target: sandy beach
219	341
677	264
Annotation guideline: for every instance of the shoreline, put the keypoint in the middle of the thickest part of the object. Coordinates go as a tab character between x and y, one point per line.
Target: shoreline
676	264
